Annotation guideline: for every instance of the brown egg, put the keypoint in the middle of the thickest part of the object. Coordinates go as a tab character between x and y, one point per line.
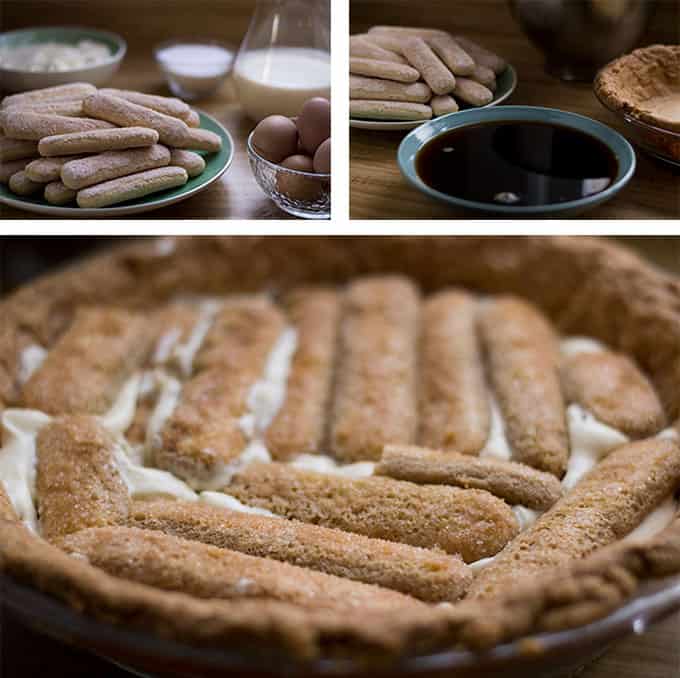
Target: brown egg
314	123
295	186
275	138
322	157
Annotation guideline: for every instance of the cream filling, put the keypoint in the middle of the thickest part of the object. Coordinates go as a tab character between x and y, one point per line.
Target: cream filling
30	360
321	463
18	460
169	390
122	413
576	345
591	440
183	354
267	395
497	445
165	346
255	451
144	482
223	500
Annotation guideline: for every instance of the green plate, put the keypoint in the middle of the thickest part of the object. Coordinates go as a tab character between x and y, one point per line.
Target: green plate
216	164
505	86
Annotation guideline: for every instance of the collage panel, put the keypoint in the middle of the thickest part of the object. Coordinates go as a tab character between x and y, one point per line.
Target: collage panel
185	109
350	456
514	110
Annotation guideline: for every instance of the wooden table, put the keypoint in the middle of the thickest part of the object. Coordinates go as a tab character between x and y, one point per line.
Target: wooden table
145	23
377	189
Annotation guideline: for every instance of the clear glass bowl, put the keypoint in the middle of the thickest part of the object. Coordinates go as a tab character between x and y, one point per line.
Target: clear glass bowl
663	144
198	73
302	194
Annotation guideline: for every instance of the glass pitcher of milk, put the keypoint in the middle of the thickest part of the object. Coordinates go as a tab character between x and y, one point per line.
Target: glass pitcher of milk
284	58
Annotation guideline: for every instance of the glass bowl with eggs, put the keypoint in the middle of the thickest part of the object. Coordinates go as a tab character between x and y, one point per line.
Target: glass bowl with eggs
291	159
36	58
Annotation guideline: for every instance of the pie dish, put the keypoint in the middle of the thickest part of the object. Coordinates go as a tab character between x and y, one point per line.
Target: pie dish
644	84
145	391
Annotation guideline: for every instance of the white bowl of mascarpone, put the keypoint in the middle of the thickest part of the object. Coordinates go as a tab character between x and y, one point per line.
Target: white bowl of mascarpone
33	58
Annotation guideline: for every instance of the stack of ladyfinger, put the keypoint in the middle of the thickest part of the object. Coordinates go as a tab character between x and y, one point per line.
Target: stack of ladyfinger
74	143
401	73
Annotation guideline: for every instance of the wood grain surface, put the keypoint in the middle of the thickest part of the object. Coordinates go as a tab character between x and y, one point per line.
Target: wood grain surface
143	24
377	189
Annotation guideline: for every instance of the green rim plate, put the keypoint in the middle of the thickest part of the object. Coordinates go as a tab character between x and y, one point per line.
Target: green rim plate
506	85
216	164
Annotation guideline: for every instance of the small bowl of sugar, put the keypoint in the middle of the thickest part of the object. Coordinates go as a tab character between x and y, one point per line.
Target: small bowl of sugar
194	69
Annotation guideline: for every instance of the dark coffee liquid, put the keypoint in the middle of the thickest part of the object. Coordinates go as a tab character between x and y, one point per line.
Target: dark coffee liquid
517	164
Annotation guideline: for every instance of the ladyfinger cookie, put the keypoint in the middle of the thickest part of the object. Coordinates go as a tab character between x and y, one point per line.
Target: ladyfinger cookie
192	119
78	484
45	170
193	163
56	193
387	90
443	105
375	399
454	405
124	113
481	55
471	523
85	369
200	140
97	141
424	574
8	168
131	187
71	109
74	90
516	483
420	55
28	126
484	76
388	110
387	70
20	184
365	49
16	149
472	92
609	503
94	169
206	571
452	54
614	390
388	41
406	31
299	426
205	430
523	354
167	105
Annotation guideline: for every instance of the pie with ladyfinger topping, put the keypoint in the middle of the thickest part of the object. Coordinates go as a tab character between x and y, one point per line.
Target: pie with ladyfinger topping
342	447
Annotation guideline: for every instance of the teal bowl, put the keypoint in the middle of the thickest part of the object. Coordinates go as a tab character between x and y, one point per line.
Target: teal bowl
617	144
17	80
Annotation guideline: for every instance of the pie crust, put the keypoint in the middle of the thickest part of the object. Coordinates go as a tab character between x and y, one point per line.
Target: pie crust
586	287
645	84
